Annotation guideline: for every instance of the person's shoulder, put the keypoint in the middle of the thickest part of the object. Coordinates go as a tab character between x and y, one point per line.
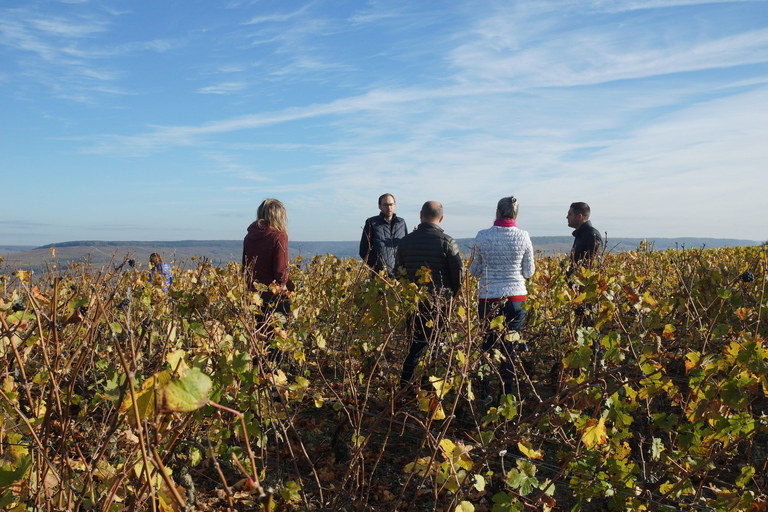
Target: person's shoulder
483	233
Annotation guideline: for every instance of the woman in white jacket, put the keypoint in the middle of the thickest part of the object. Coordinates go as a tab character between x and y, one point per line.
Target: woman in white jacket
503	260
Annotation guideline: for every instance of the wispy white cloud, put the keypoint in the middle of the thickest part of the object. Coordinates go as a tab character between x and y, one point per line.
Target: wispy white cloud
61	27
272	18
224	88
67	52
629	5
515	49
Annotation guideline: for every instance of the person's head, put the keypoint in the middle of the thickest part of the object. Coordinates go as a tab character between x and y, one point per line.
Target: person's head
272	215
387	205
578	214
432	211
155	259
507	208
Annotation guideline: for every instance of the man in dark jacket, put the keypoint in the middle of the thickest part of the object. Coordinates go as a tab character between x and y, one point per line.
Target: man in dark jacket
431	248
587	240
381	235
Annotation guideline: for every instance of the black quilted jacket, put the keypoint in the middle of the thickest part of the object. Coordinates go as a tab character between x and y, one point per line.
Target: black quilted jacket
430	247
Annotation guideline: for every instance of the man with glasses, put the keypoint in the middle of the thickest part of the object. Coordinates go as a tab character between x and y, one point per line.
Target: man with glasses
381	235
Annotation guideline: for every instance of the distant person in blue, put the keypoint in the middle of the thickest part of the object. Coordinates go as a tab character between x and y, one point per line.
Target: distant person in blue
163	270
381	236
503	260
587	240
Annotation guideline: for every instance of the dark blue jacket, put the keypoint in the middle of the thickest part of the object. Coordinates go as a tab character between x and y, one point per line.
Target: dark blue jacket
379	241
587	242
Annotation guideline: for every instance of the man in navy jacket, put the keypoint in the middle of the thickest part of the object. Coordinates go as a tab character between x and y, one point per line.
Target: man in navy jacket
381	235
587	240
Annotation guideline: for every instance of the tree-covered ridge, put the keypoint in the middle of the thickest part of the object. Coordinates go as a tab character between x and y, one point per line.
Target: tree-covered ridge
644	387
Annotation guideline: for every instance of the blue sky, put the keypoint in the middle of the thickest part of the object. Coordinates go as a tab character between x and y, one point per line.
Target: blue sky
170	120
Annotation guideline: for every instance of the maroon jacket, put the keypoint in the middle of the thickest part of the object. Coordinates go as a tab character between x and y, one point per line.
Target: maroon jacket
265	257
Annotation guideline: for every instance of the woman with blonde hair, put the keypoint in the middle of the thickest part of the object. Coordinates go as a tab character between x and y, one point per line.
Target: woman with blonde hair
265	258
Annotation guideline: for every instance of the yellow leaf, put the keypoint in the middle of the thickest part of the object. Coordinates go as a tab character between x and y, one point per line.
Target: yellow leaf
176	360
594	433
527	450
441	386
145	399
448	446
23	276
465	506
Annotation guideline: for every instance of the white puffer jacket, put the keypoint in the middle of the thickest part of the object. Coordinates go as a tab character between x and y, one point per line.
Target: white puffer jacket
503	260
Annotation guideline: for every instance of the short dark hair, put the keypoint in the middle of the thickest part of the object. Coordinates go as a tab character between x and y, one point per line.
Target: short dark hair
507	207
382	196
432	210
581	208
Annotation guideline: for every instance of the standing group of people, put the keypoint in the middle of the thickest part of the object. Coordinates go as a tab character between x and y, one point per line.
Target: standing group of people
503	259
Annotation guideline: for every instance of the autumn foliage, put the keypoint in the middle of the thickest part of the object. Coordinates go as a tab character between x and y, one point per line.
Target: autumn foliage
644	387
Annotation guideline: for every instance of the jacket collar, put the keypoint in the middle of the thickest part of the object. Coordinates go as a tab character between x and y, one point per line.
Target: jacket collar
584	227
429	225
394	218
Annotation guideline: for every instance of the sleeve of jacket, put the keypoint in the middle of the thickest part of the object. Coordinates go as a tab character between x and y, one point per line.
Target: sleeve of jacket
280	259
455	266
365	242
528	265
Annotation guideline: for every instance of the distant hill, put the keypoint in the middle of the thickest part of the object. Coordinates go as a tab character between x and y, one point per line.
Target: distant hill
7	249
220	252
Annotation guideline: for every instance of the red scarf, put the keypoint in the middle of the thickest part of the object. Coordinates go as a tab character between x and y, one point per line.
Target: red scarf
505	223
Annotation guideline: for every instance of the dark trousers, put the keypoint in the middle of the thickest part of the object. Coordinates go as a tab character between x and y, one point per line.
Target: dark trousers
425	326
513	314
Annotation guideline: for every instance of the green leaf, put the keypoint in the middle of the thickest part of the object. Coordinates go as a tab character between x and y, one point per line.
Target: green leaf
724	293
188	393
9	476
198	329
579	358
504	502
747	472
291	491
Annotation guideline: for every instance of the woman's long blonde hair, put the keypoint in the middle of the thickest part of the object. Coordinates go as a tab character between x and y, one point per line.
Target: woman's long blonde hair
272	215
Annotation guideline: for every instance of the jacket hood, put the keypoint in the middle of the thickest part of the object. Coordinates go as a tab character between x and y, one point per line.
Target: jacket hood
255	232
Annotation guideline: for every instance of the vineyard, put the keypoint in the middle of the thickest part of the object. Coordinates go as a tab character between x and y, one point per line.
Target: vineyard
643	387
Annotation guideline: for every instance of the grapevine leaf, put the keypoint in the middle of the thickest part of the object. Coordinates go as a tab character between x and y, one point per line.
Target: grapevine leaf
594	433
188	393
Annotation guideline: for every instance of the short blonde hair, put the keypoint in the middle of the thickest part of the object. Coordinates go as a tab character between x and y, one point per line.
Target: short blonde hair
271	215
